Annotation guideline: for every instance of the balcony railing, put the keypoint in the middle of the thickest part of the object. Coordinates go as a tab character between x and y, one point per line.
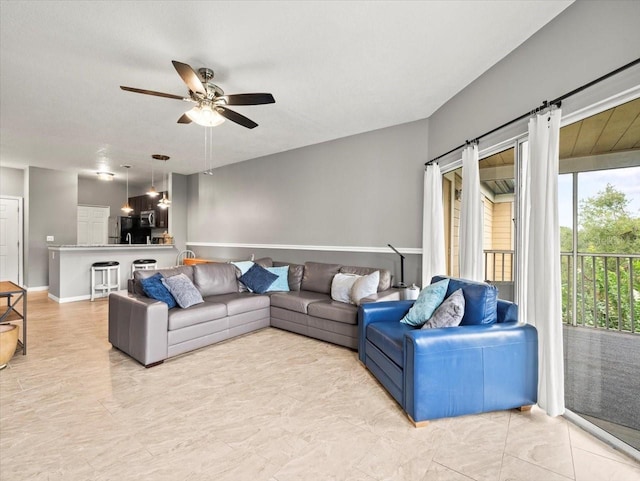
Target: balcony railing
601	290
590	298
498	265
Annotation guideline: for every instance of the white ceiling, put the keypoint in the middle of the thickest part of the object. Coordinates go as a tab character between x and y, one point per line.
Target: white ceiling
334	68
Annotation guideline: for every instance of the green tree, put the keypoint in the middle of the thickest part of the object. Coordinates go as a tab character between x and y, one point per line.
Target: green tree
606	225
566	239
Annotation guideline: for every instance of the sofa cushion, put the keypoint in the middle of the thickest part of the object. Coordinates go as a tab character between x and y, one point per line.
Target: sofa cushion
365	286
297	301
206	311
385	275
334	311
240	302
258	279
281	284
183	290
318	276
389	338
264	262
481	300
140	274
449	314
155	289
296	271
428	301
341	287
215	278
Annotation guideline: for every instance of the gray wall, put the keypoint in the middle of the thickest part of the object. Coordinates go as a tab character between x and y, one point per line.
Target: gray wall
584	42
11	182
98	192
364	190
50	209
178	210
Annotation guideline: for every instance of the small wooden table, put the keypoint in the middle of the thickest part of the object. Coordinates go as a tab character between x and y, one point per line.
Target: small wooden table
14	294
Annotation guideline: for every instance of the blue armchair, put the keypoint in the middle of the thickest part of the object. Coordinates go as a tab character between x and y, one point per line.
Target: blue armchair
488	363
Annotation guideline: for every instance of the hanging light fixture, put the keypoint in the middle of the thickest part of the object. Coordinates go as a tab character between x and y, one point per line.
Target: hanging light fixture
204	115
126	208
152	192
164	203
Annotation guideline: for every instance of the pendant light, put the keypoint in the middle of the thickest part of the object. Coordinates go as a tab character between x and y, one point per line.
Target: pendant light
164	203
126	208
152	192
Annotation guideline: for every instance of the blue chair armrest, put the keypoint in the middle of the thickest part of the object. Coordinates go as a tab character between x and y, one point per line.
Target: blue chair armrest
469	369
507	311
377	312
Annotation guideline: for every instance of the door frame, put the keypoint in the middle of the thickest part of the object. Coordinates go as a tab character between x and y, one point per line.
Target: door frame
20	236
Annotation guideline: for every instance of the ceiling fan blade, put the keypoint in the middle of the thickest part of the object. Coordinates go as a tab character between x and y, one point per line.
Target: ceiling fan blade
184	119
151	92
236	117
190	77
250	99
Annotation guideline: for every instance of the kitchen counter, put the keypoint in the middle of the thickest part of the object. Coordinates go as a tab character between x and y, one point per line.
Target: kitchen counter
92	247
70	265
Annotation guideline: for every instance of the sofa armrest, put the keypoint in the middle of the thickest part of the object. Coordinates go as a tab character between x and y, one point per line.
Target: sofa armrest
139	326
469	369
391	294
377	312
507	311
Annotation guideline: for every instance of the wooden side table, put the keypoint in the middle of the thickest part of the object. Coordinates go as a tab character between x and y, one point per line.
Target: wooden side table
14	294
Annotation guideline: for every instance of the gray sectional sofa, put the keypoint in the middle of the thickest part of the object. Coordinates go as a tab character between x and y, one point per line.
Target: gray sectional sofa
150	332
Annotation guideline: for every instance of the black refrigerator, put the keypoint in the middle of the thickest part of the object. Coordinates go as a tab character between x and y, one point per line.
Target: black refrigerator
131	232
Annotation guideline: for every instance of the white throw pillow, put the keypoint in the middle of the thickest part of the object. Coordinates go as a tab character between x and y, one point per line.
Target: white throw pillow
364	287
341	287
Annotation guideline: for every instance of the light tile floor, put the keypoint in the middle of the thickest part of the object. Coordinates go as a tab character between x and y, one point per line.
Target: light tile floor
270	406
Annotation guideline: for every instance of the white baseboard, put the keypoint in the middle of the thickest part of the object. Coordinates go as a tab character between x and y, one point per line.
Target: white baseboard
37	288
69	299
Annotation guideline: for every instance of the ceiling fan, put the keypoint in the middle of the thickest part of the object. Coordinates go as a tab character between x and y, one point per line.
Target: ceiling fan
211	102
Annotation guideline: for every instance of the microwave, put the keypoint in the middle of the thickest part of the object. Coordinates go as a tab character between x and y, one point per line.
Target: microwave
147	218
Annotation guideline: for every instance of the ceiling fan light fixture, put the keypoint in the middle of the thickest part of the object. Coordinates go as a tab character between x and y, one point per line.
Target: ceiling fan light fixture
126	208
204	115
106	176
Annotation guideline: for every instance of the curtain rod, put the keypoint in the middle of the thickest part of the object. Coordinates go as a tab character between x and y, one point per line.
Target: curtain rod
557	102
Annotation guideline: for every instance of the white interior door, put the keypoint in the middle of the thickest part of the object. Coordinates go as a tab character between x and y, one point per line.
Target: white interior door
10	240
93	225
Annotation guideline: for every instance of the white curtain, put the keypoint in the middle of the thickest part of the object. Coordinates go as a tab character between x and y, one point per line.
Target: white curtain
433	253
471	217
539	287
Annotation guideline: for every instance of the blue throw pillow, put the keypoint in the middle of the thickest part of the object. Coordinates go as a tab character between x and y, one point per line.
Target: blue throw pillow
428	301
155	289
244	266
282	282
258	279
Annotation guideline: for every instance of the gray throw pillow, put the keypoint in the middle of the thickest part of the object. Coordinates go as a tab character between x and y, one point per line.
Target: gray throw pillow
183	290
450	312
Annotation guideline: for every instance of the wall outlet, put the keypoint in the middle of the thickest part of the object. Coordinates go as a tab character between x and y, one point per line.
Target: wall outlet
49	238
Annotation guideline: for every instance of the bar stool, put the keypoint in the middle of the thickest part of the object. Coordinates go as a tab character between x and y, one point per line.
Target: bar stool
106	269
143	264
